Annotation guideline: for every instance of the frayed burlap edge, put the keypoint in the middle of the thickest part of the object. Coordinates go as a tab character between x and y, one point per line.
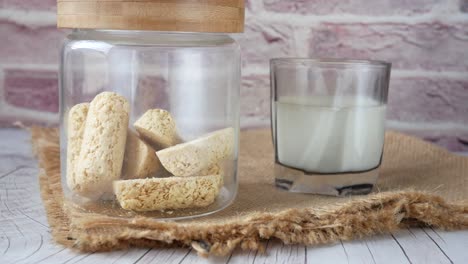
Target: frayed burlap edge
374	214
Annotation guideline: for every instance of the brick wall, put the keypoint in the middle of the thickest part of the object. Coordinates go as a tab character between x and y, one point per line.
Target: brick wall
426	40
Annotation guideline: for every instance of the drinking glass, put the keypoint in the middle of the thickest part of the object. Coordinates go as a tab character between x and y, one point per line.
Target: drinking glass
328	124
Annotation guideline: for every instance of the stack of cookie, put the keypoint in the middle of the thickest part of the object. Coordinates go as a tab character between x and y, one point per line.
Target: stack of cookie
150	169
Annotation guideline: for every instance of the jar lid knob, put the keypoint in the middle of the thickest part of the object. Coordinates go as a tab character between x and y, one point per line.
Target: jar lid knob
224	16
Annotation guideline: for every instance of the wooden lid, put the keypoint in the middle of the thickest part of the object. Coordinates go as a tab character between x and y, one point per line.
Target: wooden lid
160	15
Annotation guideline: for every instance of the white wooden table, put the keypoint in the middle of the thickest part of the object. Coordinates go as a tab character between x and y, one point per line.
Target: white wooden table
25	235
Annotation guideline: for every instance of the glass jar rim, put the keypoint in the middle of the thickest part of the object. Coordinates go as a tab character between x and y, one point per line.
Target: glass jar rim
152	38
344	62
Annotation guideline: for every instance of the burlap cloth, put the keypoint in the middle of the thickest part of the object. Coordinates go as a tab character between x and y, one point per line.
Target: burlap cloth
420	184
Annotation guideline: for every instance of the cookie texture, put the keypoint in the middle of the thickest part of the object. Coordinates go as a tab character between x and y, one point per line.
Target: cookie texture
217	169
212	170
103	145
76	124
167	193
157	127
188	159
140	160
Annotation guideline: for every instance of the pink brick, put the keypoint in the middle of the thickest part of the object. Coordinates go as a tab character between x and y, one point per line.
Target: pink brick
433	46
151	93
262	41
255	97
248	4
13	121
359	7
428	100
464	6
31	89
29	4
23	44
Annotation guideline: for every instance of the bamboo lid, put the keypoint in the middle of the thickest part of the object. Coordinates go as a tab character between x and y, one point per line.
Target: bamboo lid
161	15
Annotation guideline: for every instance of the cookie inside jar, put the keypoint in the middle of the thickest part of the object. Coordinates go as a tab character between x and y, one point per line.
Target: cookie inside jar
145	166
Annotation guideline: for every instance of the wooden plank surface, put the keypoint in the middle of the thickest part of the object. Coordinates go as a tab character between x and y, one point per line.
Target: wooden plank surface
25	236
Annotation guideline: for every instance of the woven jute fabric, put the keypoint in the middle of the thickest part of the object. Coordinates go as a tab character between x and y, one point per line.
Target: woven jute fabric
419	184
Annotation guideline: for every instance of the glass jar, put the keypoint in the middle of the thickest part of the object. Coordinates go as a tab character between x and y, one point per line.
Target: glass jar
149	121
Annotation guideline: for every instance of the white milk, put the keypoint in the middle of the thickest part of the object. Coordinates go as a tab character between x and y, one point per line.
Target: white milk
315	136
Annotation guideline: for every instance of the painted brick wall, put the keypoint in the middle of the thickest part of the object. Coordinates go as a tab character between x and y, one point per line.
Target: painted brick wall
426	40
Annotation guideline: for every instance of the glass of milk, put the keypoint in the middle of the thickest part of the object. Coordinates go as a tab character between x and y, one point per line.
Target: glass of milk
328	123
